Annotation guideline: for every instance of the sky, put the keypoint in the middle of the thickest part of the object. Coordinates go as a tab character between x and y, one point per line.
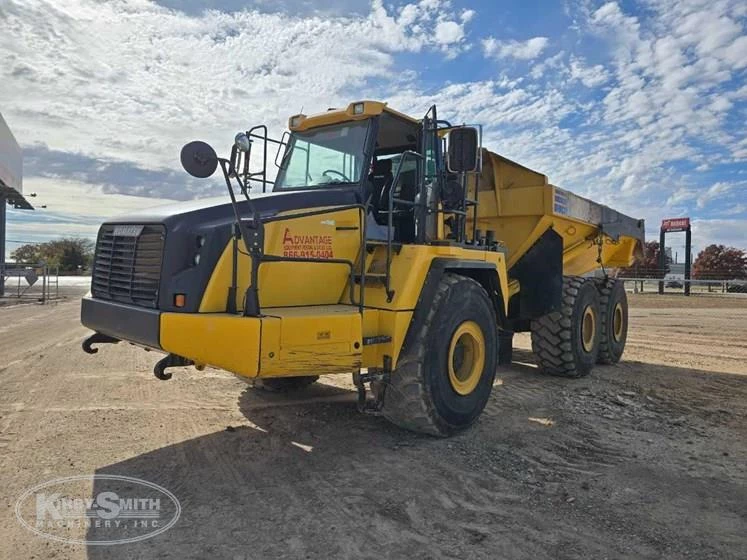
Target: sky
640	105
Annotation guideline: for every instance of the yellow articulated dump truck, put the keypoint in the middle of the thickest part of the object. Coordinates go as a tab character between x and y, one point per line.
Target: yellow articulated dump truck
394	248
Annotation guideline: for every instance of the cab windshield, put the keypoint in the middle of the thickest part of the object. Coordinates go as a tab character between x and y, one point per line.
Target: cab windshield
322	157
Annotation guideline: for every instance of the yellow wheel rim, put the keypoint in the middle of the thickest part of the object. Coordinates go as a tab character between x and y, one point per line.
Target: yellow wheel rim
466	357
588	329
618	322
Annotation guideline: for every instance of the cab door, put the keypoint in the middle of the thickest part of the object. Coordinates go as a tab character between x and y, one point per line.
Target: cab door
330	236
430	147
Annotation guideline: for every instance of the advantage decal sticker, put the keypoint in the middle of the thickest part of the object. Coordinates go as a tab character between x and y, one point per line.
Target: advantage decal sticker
307	246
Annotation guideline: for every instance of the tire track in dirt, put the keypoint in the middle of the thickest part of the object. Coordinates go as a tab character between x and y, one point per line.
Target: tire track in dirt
620	469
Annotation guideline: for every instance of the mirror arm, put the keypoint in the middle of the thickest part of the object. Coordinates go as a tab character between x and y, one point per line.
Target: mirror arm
256	248
247	157
232	162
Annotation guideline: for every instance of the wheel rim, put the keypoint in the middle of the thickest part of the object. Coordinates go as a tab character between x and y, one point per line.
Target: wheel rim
618	321
588	329
466	357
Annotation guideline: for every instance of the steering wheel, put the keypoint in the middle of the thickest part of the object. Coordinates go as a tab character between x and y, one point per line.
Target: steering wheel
344	177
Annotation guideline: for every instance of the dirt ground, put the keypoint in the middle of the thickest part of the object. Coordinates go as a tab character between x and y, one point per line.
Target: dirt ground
645	459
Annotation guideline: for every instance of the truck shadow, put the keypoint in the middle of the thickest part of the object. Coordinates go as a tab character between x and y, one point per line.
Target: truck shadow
310	477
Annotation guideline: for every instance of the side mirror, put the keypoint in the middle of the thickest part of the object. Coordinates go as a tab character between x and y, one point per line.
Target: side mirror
282	149
463	150
199	159
243	142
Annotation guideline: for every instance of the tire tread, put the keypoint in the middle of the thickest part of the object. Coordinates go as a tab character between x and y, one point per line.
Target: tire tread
407	403
551	334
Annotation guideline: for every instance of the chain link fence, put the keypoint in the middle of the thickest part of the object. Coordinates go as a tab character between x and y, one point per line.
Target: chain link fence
28	283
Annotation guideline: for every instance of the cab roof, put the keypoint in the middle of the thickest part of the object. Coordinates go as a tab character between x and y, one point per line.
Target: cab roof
356	111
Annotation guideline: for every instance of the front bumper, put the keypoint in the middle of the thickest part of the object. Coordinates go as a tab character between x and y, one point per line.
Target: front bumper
227	341
309	340
124	322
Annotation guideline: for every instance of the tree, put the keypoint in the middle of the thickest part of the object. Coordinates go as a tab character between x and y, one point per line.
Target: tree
647	266
718	262
69	253
30	254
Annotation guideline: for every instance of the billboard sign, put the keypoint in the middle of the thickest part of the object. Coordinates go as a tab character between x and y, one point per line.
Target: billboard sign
675	224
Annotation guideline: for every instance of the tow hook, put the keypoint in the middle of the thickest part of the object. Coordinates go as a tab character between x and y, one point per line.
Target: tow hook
378	382
97	338
172	360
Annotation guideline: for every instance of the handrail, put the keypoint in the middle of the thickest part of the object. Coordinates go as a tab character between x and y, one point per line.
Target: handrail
279	217
253	176
390	225
262	257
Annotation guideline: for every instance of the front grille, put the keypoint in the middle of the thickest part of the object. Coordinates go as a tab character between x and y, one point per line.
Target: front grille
127	265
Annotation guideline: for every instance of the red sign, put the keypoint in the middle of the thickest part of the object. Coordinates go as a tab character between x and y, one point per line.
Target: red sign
675	224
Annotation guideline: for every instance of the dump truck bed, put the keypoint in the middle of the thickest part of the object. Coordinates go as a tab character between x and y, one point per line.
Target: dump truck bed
520	205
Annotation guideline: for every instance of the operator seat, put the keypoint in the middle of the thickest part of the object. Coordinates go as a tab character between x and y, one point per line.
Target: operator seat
381	179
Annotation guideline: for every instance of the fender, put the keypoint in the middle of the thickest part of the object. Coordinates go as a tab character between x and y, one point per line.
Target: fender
484	272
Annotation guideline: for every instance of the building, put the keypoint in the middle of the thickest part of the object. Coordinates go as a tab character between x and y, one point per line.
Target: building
676	271
11	185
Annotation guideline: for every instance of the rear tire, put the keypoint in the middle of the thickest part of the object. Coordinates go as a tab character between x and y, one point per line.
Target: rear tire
566	342
285	384
445	373
614	314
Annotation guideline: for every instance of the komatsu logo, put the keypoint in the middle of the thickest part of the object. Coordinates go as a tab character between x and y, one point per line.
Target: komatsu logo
127	231
307	246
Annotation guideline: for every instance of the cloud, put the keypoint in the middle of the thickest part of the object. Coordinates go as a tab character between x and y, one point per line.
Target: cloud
85	203
554	63
590	76
729	232
737	209
73	208
448	32
714	192
296	7
134	81
467	15
643	128
682	195
671	72
642	109
115	176
522	50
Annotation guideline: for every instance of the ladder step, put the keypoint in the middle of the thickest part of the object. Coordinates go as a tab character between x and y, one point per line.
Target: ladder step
370	277
372	244
380	339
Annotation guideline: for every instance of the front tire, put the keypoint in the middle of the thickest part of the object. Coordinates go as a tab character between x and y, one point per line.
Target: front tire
445	373
566	342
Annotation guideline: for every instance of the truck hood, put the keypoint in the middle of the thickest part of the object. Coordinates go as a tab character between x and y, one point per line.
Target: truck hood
212	221
215	207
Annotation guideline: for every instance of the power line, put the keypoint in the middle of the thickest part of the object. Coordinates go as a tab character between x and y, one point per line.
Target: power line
80	236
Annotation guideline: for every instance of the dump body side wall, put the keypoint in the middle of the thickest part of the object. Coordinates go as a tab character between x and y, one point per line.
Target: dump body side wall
520	205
